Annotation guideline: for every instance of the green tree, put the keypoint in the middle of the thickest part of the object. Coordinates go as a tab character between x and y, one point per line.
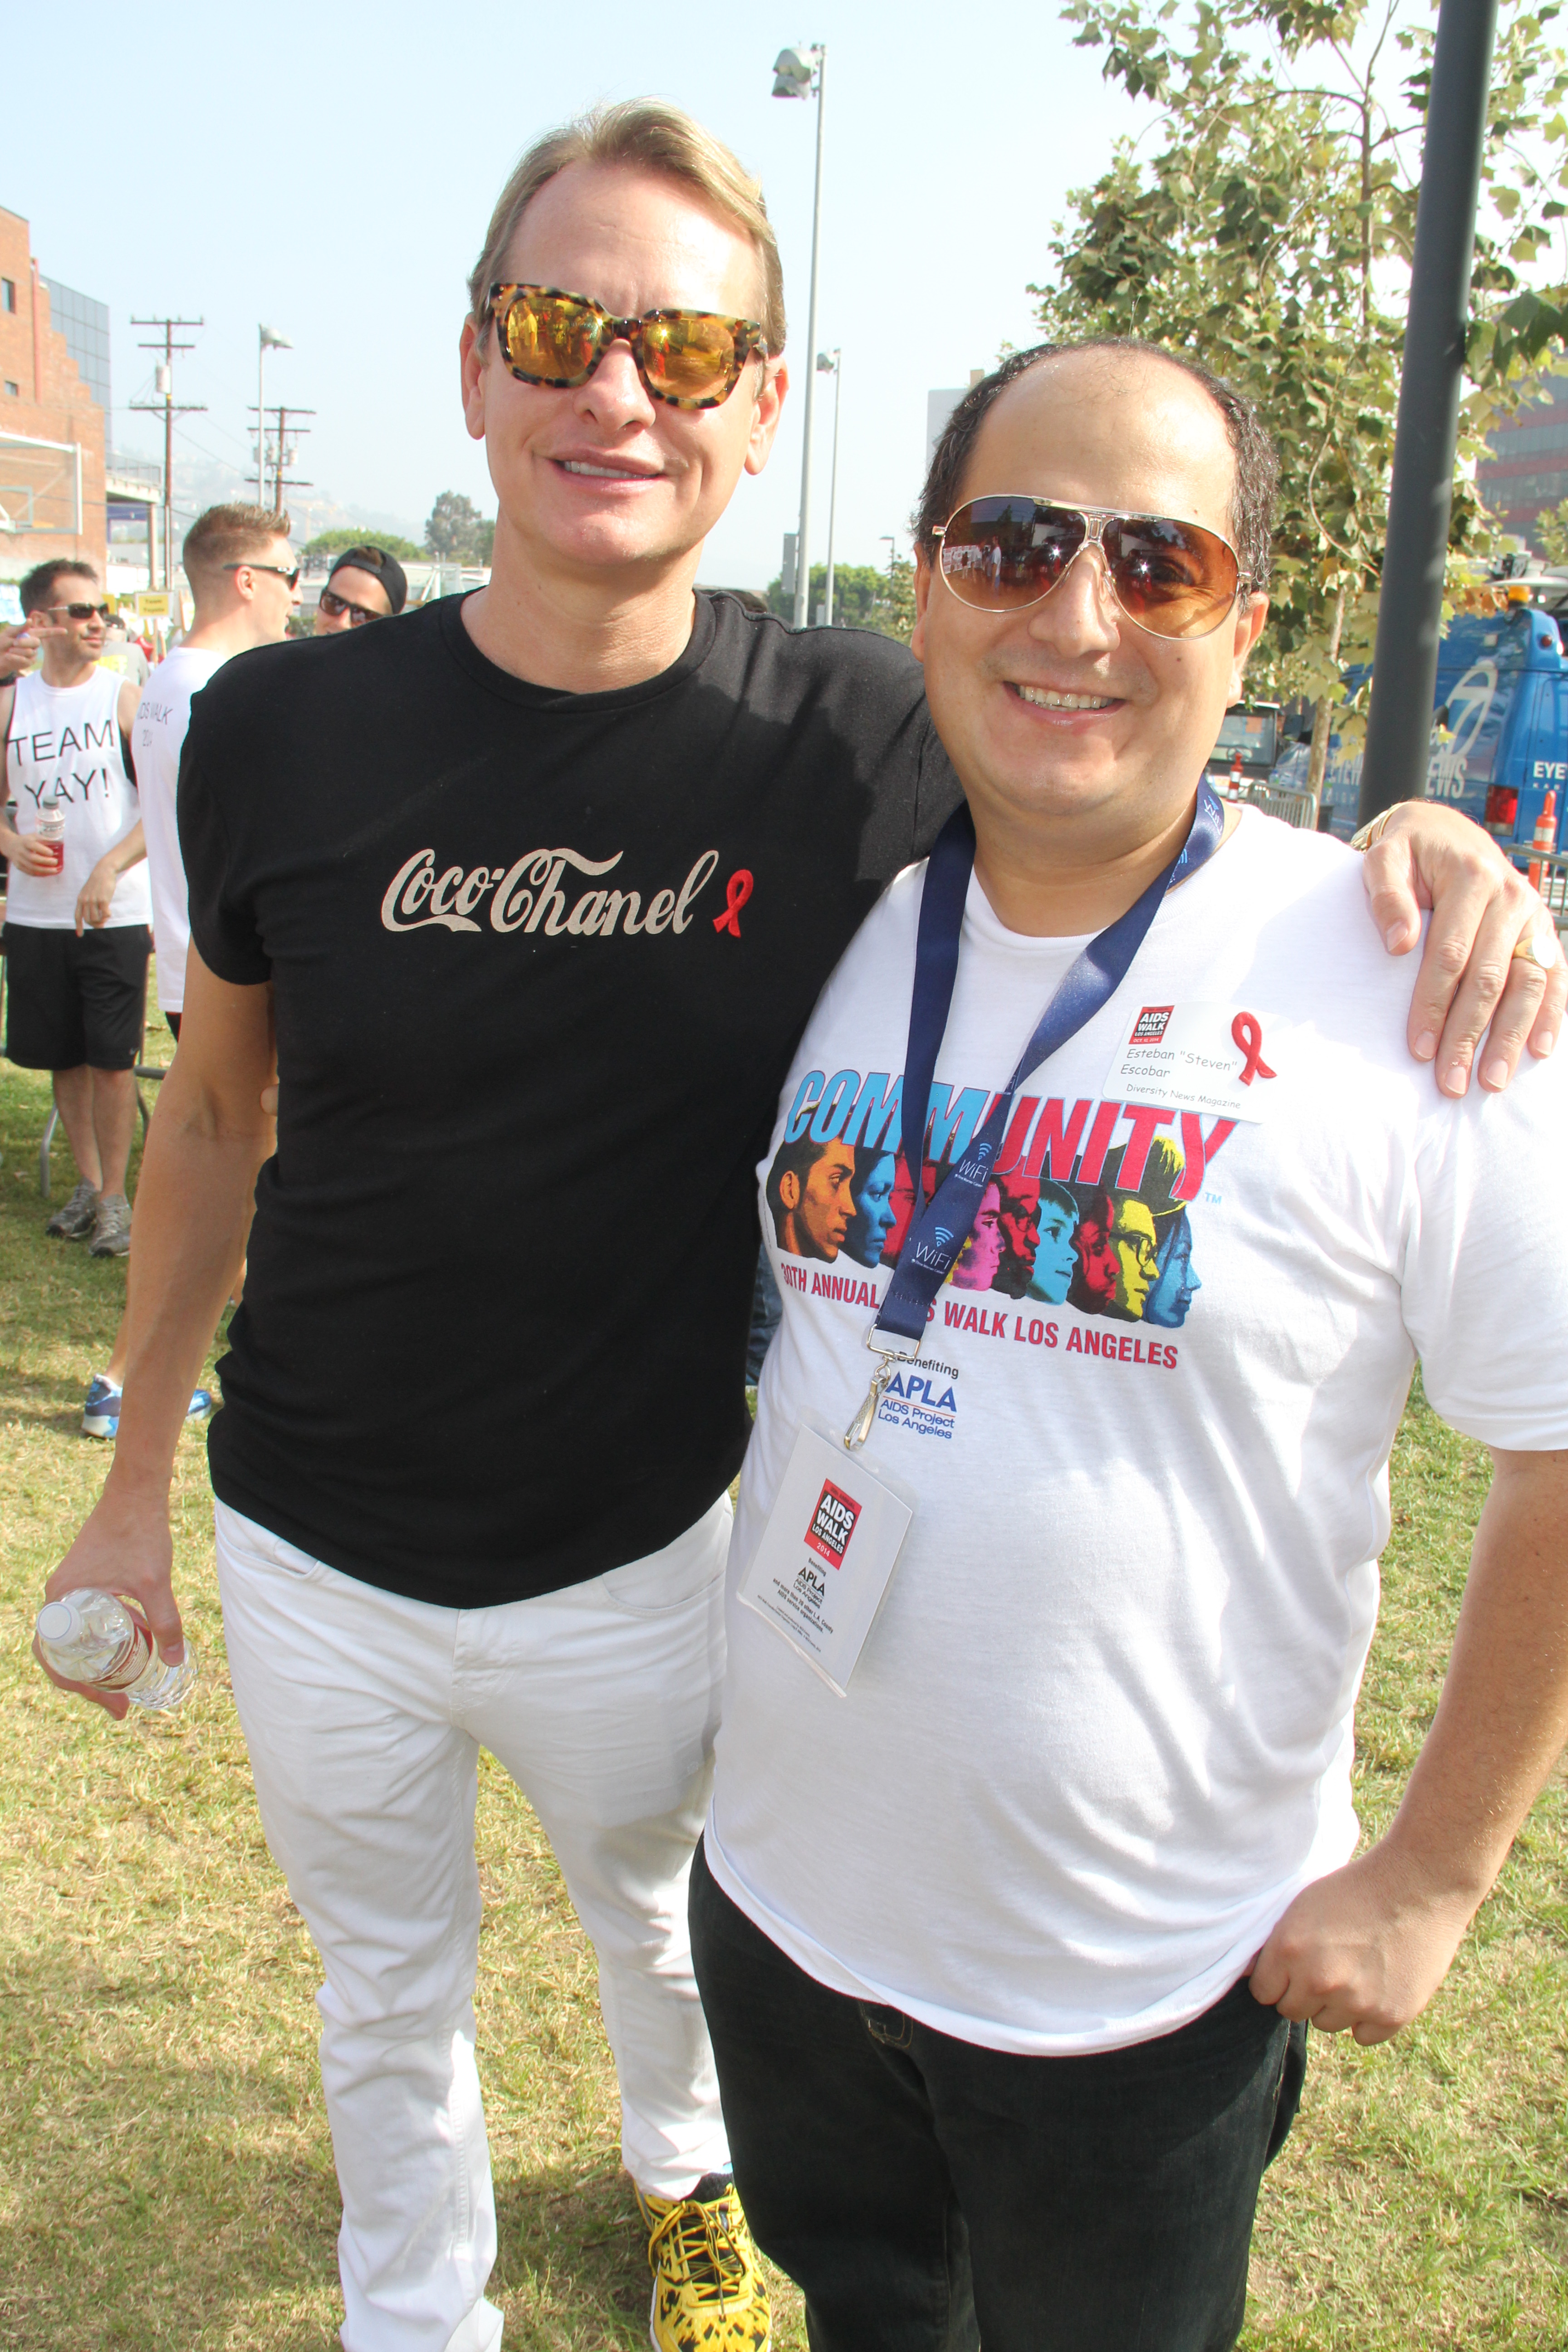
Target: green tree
1266	228
863	597
1550	532
332	542
856	588
457	532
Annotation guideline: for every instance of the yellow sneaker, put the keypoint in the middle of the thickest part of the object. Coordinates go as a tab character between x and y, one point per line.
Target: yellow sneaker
709	2293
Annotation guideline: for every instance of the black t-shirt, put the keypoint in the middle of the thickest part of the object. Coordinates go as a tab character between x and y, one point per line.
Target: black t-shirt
540	963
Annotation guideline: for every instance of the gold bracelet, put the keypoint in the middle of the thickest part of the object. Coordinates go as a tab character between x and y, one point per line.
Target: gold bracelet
1372	833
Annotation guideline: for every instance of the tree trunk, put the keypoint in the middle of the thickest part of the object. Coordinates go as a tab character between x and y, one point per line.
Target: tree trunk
1317	765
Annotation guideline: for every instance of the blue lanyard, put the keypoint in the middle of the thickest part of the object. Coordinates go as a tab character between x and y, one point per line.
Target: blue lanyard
938	1233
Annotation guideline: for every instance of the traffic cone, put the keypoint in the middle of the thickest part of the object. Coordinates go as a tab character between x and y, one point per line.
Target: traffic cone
1545	837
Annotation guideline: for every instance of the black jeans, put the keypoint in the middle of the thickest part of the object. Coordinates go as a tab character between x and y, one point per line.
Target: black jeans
928	2195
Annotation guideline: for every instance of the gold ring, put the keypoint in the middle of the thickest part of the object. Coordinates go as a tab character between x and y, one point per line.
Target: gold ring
1368	836
1538	945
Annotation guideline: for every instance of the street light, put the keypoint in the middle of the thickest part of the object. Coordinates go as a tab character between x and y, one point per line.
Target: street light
832	364
267	339
800	73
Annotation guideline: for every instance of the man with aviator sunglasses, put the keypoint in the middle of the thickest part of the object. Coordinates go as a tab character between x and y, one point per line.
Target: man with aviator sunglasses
1011	2016
591	843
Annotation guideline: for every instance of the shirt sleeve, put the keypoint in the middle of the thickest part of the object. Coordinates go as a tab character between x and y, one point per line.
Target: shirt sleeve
1486	1266
223	916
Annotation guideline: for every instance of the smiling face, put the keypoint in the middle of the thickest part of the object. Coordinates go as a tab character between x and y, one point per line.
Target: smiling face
602	475
71	642
1065	710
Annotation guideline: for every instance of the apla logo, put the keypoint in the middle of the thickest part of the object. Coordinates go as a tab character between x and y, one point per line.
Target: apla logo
832	1523
1151	1024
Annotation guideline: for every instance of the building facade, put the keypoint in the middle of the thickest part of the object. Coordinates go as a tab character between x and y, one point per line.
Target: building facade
1527	469
53	430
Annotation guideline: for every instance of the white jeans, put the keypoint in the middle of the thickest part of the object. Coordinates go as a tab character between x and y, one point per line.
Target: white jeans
364	1715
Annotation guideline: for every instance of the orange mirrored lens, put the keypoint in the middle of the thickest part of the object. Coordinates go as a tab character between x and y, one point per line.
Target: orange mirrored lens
687	352
550	336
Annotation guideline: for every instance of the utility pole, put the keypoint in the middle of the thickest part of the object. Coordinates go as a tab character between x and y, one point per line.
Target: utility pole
164	405
802	73
1409	614
282	452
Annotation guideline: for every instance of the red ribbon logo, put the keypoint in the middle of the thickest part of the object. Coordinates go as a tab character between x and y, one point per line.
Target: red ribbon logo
737	890
1247	1031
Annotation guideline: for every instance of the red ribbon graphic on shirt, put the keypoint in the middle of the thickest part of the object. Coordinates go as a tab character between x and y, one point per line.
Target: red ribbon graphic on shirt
737	890
1247	1031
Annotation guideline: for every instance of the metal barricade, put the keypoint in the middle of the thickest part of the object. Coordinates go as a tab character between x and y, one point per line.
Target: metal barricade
1553	884
1278	800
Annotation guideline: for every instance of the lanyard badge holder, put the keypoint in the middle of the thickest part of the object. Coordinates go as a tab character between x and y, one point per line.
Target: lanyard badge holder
834	1533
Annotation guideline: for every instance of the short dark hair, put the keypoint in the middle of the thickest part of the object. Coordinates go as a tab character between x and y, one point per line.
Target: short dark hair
229	534
1252	446
798	1159
381	566
37	587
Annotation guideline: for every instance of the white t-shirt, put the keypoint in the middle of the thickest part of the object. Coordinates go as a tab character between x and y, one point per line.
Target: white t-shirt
69	735
1100	1733
162	717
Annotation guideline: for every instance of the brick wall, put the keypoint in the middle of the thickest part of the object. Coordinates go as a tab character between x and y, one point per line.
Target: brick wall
49	402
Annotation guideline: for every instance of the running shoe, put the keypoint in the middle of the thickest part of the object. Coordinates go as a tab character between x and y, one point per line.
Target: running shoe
709	2293
110	1227
101	1413
76	1216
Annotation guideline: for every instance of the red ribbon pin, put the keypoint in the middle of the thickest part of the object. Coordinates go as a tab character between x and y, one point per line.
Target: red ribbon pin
737	890
1247	1031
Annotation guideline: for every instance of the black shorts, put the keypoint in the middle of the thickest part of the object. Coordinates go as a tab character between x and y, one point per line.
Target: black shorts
70	1000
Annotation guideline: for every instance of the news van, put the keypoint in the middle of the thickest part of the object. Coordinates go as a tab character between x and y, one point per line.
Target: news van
1499	739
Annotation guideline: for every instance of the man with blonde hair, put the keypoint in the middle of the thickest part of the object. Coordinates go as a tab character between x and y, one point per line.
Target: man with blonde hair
534	883
245	583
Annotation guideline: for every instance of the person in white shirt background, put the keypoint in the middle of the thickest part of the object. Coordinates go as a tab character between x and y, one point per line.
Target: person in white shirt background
76	917
1008	1940
245	585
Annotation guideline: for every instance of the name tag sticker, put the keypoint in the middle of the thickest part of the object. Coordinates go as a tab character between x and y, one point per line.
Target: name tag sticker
1230	1061
829	1547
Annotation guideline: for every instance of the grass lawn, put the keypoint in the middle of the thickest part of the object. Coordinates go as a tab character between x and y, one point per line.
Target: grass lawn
165	2178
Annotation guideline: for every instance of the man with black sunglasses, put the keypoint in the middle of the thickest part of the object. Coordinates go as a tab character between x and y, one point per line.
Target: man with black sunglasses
539	887
1010	2012
77	908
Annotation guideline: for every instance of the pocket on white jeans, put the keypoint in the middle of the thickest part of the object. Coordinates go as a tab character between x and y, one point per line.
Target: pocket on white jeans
258	1546
683	1573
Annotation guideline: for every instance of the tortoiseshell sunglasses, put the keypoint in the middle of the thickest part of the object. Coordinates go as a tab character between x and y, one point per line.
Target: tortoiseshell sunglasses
693	359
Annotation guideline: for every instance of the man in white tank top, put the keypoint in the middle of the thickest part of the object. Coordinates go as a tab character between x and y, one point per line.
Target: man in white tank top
77	915
245	579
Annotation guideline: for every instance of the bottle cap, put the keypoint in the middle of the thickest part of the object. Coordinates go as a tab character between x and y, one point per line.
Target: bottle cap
57	1621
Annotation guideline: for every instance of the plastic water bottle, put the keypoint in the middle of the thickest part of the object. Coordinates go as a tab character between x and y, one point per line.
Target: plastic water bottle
91	1637
51	828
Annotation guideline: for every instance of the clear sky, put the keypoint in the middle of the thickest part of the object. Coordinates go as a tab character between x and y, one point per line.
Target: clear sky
330	171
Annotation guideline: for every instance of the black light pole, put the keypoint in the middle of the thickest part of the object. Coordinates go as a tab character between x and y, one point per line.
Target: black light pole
1404	665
